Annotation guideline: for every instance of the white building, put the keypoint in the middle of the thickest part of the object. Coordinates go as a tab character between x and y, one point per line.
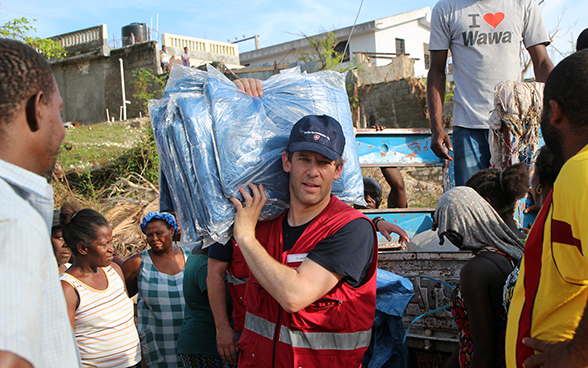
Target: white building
380	40
201	51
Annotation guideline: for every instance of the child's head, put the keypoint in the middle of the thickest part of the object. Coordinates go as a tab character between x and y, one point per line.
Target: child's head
546	169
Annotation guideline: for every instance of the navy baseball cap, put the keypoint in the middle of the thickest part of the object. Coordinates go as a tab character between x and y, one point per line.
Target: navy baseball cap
318	133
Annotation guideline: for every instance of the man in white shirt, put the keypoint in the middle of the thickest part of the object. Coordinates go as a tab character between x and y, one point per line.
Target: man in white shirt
484	38
35	331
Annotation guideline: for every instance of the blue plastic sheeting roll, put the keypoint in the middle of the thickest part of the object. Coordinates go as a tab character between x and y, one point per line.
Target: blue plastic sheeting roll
386	348
213	138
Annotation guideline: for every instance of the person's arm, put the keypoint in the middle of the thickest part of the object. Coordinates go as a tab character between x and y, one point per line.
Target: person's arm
292	289
226	339
386	228
569	353
542	65
72	301
10	360
476	288
453	361
435	98
397	195
119	270
131	269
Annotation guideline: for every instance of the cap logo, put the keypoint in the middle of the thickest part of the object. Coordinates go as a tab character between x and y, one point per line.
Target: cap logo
317	135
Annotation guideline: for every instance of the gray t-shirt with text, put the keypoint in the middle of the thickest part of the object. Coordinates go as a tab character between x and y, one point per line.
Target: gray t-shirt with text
484	37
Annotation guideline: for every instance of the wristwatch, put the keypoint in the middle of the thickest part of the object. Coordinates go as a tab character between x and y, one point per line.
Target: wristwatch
377	219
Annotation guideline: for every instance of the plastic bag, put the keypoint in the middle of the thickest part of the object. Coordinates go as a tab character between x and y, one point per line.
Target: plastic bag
213	138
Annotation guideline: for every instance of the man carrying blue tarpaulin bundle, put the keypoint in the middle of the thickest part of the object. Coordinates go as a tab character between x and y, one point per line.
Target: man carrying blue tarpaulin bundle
310	298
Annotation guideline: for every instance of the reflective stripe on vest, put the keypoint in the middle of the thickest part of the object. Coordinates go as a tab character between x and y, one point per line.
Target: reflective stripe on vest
309	340
236	281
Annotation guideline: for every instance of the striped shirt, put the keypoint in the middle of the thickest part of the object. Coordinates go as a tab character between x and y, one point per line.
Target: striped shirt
104	325
33	316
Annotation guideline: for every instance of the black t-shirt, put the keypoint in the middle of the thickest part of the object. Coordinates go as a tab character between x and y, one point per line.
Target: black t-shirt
348	252
221	252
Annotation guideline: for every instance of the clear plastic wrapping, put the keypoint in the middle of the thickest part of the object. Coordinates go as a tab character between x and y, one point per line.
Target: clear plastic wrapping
213	138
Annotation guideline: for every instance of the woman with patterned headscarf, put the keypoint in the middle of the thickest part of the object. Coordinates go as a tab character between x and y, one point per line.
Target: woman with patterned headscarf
156	274
470	223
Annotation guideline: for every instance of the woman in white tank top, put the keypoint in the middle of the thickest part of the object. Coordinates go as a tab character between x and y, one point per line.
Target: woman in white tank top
99	308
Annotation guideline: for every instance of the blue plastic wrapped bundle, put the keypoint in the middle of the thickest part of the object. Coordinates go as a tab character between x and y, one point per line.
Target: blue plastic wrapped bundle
171	165
185	146
213	138
252	133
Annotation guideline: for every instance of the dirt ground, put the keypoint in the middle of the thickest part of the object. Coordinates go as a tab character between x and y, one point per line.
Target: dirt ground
419	193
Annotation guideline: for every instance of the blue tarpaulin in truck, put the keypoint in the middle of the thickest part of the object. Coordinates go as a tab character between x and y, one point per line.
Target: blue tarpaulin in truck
386	348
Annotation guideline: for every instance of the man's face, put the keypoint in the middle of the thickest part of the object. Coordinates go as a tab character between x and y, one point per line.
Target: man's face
53	132
552	136
311	177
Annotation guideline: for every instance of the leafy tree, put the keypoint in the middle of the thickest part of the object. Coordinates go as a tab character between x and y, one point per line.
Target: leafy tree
17	29
146	86
323	50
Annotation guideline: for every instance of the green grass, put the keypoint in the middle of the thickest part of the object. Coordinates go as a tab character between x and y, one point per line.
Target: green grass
88	146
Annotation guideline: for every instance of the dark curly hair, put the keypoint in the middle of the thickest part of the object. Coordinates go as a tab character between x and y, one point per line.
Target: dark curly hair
503	188
79	225
547	166
23	73
567	84
582	42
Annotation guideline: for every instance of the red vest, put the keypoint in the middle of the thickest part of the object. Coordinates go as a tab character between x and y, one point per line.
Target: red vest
334	331
237	274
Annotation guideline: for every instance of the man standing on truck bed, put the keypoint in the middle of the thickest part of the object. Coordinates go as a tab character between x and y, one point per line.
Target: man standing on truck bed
484	38
311	293
548	311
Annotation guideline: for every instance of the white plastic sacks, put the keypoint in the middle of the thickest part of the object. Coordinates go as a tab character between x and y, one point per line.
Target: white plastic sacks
213	138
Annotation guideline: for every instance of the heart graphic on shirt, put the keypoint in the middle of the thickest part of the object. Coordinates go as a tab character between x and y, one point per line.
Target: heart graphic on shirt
494	19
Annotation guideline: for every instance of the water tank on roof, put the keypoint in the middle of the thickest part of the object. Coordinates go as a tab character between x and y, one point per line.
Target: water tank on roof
135	33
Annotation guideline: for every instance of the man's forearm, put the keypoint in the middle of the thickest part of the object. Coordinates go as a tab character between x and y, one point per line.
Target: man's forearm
435	98
218	300
277	279
542	65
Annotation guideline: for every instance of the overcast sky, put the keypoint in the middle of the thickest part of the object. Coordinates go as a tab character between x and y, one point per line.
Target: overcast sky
274	21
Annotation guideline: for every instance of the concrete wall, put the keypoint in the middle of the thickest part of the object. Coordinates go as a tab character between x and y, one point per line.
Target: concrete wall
90	83
140	56
81	84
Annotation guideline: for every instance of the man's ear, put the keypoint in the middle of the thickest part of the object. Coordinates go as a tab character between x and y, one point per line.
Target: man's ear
286	164
557	113
32	111
338	172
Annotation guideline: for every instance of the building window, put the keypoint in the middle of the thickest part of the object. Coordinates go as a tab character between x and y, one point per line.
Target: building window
400	50
427	55
340	48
